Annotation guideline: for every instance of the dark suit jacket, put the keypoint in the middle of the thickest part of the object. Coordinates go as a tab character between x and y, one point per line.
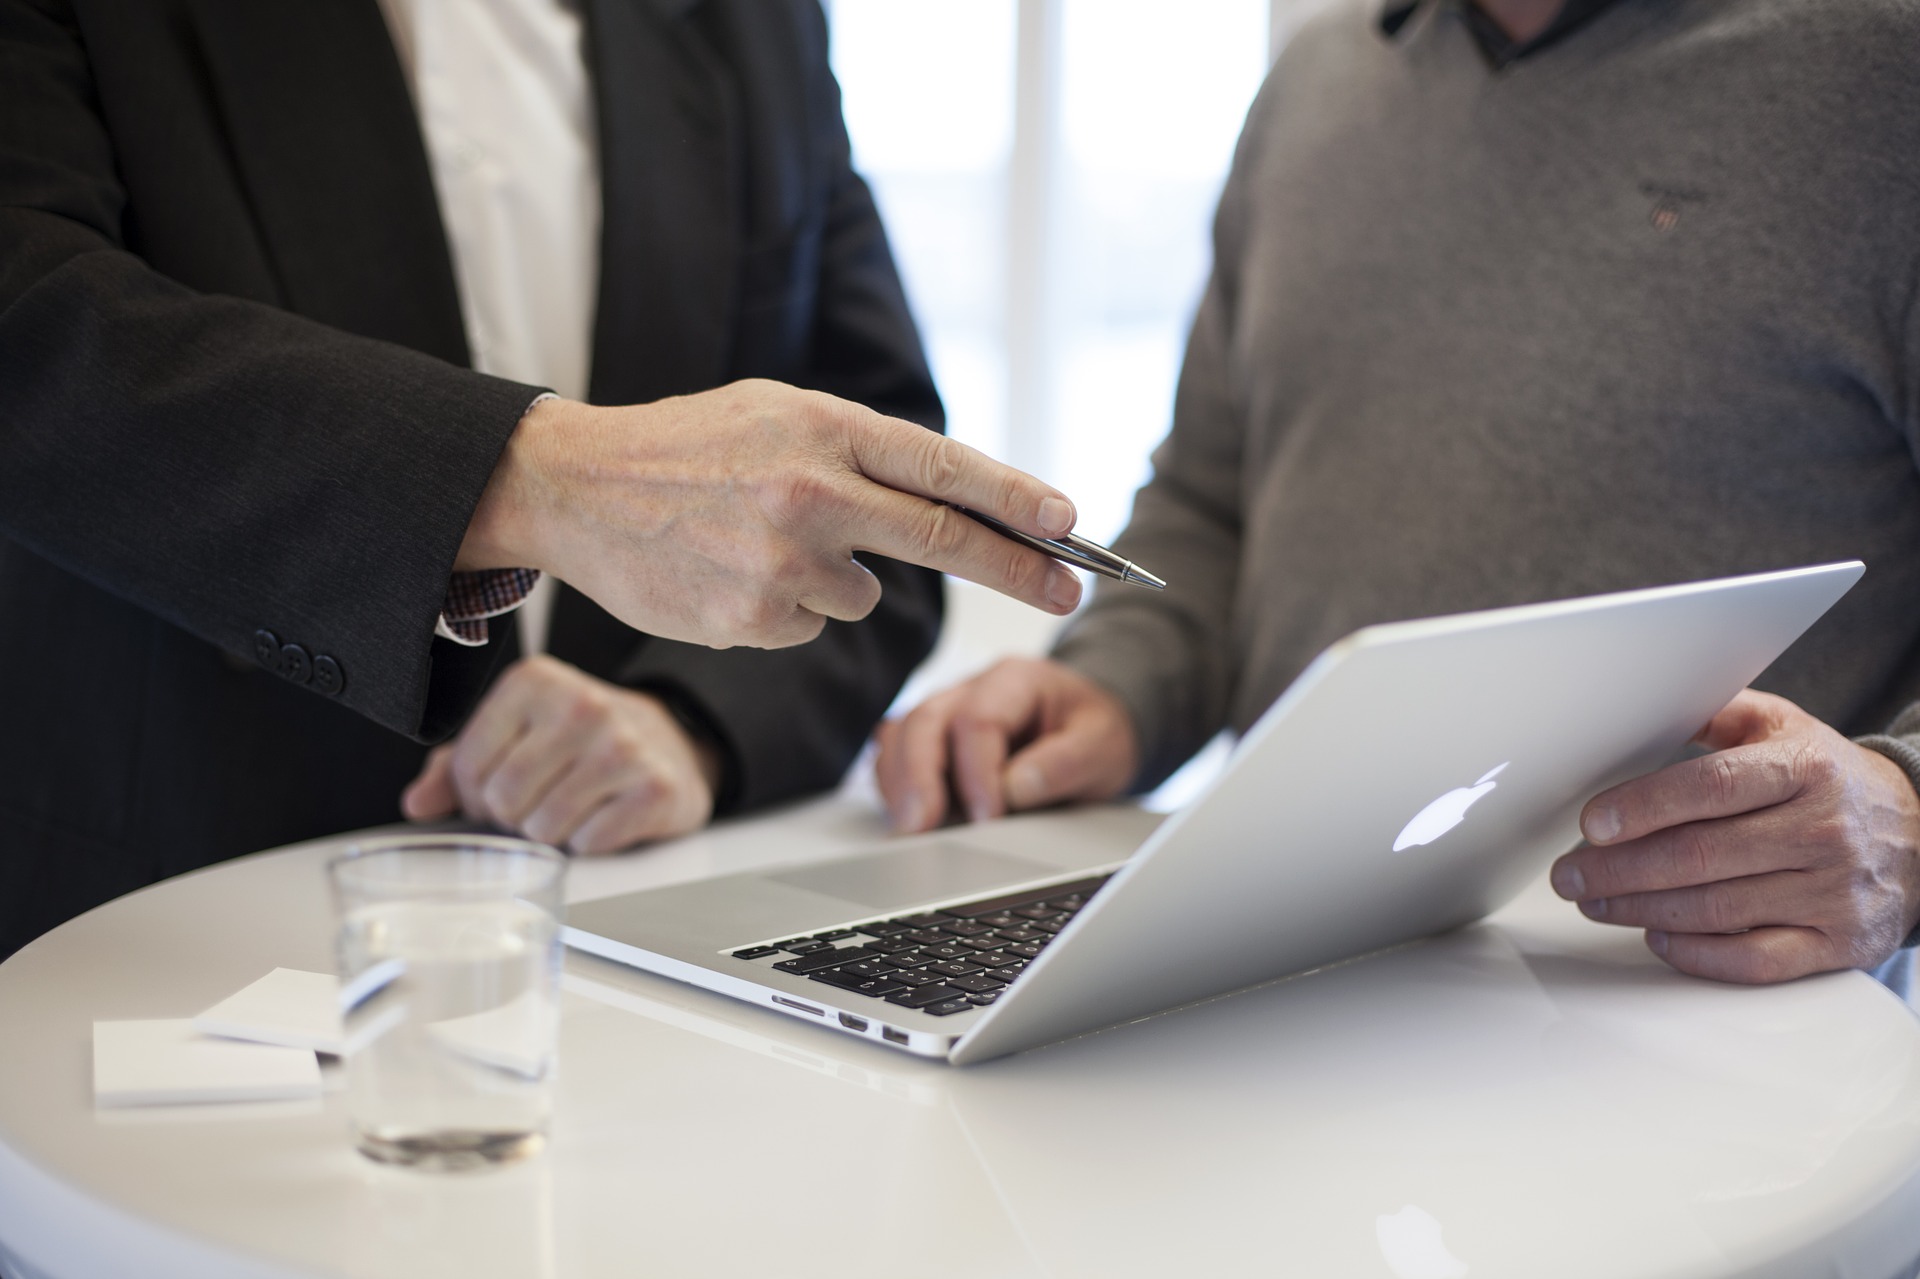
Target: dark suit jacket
233	400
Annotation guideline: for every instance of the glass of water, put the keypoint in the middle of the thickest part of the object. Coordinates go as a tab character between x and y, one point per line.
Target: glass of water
449	949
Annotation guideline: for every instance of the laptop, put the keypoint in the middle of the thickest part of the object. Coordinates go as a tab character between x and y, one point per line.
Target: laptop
1413	779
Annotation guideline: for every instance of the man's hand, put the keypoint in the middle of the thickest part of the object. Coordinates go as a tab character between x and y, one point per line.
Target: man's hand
731	517
1024	734
564	758
1787	851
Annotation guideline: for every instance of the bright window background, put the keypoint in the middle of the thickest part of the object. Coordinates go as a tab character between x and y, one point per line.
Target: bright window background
1047	170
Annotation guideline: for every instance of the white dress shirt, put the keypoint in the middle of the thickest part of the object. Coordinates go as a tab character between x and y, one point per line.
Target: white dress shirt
505	107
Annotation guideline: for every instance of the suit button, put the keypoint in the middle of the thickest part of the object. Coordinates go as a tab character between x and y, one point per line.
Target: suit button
266	649
295	664
327	676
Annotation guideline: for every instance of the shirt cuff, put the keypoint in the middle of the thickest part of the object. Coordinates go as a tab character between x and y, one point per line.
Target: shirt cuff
474	597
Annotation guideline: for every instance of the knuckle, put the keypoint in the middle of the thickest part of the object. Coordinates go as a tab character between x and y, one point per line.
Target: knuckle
1722	780
1719	909
941	462
942	532
623	753
1690	855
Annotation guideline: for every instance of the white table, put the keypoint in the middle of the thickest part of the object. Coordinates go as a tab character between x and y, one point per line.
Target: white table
1533	1097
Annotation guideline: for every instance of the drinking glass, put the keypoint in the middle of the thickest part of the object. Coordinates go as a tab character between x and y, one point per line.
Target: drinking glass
449	949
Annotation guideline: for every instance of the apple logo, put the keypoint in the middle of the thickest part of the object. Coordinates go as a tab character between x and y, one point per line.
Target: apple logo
1410	1244
1443	814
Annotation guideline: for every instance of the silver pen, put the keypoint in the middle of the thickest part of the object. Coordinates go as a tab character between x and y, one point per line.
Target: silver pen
1075	550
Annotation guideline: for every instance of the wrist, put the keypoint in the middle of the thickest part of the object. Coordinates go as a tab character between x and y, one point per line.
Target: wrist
511	523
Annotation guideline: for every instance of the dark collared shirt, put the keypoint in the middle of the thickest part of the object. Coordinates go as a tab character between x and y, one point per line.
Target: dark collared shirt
1500	48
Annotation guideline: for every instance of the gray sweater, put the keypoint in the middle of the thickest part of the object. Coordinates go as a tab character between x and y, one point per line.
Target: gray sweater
1641	308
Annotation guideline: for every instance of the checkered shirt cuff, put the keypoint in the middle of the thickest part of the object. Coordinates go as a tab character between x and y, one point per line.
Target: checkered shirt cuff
474	597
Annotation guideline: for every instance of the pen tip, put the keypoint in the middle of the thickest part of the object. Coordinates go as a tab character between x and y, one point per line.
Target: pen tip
1137	574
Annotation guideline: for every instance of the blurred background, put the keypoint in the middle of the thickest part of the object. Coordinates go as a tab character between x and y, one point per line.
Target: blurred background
1047	170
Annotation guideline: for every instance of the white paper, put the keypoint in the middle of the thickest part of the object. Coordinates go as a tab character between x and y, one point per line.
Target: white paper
288	1007
157	1063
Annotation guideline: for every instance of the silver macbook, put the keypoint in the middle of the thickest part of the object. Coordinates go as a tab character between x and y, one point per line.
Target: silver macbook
1412	779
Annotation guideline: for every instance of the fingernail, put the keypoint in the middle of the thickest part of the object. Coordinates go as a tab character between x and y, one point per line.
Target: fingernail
1056	516
1569	882
1024	786
1595	909
1063	588
1601	825
1657	943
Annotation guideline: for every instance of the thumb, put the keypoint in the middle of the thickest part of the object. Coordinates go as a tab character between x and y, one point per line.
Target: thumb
1750	717
1068	764
431	794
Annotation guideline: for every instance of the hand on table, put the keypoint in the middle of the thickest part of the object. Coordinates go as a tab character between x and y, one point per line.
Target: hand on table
1789	850
732	516
1024	734
556	755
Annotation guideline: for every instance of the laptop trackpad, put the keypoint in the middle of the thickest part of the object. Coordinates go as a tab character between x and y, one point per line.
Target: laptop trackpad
934	872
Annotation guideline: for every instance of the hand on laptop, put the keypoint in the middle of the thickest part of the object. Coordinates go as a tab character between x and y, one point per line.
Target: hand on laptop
732	516
556	755
1789	850
1025	734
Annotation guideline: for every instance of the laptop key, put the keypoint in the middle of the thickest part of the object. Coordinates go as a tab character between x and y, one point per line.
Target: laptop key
976	985
910	959
947	1007
756	952
953	968
925	995
814	961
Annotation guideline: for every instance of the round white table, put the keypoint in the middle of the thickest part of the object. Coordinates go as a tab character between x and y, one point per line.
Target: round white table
1535	1096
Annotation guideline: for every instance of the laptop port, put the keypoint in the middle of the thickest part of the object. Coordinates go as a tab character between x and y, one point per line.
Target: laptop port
853	1023
805	1008
893	1036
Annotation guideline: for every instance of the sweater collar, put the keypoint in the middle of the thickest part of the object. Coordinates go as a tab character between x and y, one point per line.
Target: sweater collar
1495	44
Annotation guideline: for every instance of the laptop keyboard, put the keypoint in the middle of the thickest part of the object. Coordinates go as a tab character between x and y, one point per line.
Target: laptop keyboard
941	961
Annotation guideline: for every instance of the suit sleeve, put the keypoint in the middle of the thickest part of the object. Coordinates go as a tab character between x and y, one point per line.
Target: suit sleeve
1167	655
226	465
792	720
